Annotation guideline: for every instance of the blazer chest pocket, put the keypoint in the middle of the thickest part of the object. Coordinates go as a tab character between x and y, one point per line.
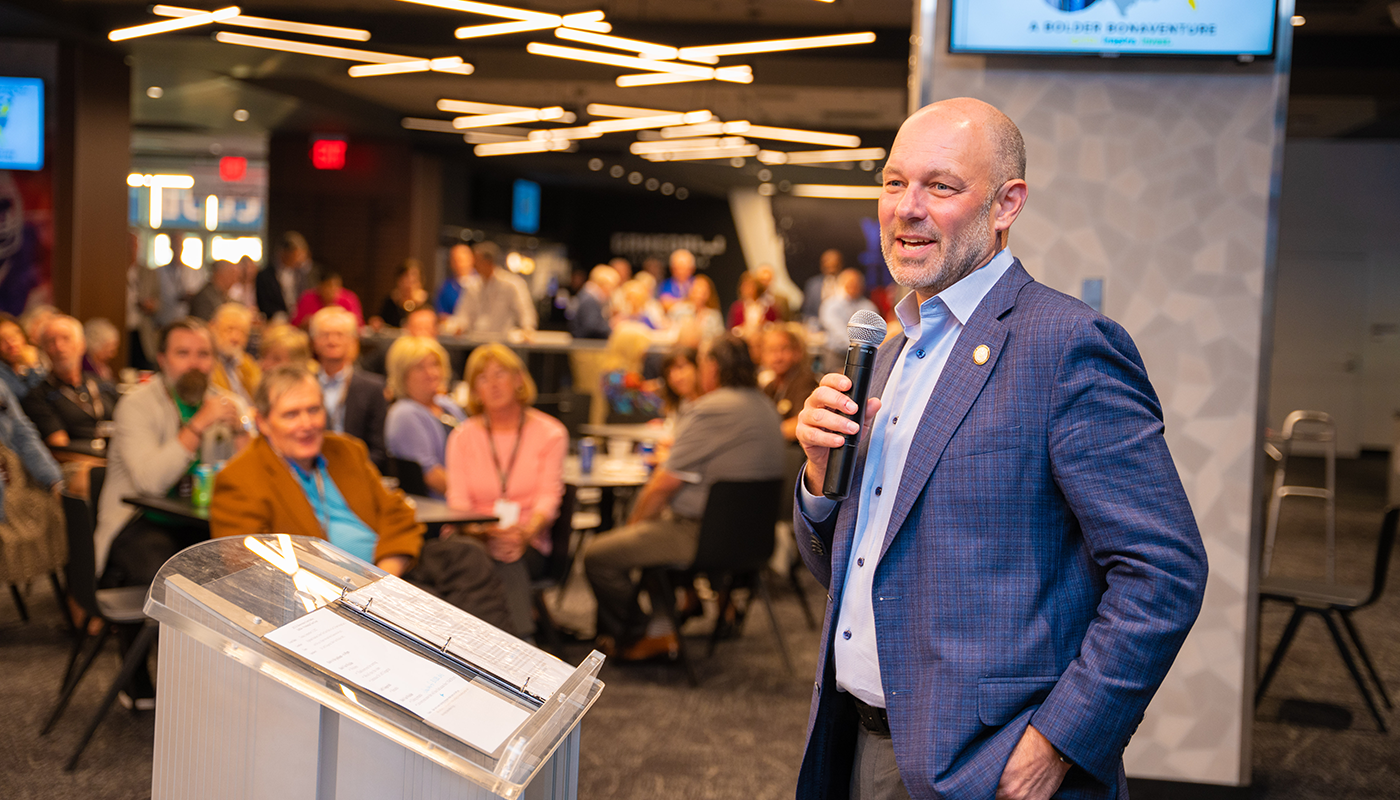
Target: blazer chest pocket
999	700
987	440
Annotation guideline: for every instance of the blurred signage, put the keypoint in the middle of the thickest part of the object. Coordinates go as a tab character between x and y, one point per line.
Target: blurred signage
328	153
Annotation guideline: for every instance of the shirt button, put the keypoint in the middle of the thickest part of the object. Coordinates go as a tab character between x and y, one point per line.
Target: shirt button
895	421
860	562
878	490
919	353
846	635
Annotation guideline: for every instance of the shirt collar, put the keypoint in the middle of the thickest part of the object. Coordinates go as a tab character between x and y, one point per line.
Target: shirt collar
319	464
961	299
339	378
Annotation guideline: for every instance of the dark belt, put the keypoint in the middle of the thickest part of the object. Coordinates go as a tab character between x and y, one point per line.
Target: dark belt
873	719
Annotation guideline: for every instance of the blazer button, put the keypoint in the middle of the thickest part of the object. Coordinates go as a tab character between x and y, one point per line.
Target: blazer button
919	353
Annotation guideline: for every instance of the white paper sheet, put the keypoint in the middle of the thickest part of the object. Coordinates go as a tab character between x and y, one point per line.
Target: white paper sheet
441	697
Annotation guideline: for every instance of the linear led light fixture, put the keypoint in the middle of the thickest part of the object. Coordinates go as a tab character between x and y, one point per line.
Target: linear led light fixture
801	137
242	20
424	124
707	52
704	155
503	28
453	64
509	117
700	143
837	192
323	50
473	107
738	74
165	26
605	110
821	156
527	146
648	49
523	20
583	132
642	123
481	137
610	59
485	9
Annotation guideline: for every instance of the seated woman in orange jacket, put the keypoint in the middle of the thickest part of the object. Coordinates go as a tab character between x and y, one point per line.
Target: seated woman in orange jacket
297	478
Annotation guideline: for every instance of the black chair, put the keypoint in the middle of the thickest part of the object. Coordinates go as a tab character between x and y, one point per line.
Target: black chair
1331	601
736	541
568	407
561	563
96	477
410	475
114	607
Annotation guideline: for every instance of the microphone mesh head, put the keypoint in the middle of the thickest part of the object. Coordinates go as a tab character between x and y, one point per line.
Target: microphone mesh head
866	327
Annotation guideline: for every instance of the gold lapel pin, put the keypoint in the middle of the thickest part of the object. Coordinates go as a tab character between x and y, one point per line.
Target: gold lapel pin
981	354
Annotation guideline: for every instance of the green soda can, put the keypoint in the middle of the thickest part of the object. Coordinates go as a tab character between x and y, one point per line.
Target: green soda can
203	485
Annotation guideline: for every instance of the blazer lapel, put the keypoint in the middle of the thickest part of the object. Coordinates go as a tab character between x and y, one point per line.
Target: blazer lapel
288	494
957	389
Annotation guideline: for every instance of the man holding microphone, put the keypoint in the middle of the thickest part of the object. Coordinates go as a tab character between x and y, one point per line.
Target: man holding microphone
1016	564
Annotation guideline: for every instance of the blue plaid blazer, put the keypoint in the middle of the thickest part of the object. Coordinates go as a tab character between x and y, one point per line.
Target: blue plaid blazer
1042	564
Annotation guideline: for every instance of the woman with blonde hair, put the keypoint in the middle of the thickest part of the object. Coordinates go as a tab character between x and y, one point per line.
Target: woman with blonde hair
284	345
507	460
417	425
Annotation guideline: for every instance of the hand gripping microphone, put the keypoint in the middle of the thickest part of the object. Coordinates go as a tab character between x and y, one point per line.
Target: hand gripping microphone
866	330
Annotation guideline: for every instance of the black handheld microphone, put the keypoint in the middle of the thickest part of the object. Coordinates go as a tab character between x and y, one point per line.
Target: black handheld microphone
866	331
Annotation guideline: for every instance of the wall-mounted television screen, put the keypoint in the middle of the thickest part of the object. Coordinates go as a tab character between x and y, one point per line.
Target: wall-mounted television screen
21	123
525	207
1114	27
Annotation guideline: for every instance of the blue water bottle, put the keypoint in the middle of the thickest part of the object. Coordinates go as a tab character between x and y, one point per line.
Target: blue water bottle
587	448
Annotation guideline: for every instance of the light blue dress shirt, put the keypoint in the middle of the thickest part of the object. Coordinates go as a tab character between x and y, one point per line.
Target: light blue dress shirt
333	391
931	328
342	527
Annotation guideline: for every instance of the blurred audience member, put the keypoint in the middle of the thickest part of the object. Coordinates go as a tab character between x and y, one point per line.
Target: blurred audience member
768	293
31	527
223	276
680	382
71	408
408	294
730	434
234	370
244	290
459	262
329	293
821	286
589	316
836	315
639	306
622	267
494	299
283	345
282	283
21	364
507	460
299	478
654	267
103	340
142	299
677	287
164	429
421	322
354	398
750	312
35	319
699	311
628	396
422	415
787	377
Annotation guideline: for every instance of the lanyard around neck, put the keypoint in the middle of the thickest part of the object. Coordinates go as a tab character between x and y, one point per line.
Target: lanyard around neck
92	404
504	474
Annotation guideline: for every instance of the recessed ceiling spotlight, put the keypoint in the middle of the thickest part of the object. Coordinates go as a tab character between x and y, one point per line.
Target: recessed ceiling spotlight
1298	20
667	188
867	165
766	189
682	193
155	92
736	162
241	115
595	164
617	171
765	175
653	184
634	178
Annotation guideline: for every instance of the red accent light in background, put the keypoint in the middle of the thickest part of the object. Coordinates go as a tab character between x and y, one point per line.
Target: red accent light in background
328	153
233	168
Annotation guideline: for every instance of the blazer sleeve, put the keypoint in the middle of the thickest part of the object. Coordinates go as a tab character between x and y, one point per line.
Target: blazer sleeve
154	468
400	533
813	536
242	504
1109	458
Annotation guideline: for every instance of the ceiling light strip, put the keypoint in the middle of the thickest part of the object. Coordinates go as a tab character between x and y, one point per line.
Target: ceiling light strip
822	156
836	192
166	26
610	59
486	9
704	129
516	148
452	64
306	48
801	137
659	79
605	110
648	49
481	137
642	123
705	155
775	45
242	20
509	117
423	124
503	28
583	132
676	145
473	107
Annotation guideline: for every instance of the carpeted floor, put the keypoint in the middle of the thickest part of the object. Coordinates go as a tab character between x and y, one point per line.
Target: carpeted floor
739	735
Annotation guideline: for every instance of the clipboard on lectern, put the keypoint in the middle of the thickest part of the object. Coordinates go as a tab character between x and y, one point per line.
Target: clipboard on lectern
375	649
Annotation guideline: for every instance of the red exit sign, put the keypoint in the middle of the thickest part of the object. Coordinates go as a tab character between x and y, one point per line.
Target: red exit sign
328	153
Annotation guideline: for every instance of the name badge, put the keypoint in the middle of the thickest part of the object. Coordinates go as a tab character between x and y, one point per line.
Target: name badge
507	512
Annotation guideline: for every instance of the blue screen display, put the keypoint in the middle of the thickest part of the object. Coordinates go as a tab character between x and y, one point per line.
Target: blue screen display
525	207
1138	27
21	123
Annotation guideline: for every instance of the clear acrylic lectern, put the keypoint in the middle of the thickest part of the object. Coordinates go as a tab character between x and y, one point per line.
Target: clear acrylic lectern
290	669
